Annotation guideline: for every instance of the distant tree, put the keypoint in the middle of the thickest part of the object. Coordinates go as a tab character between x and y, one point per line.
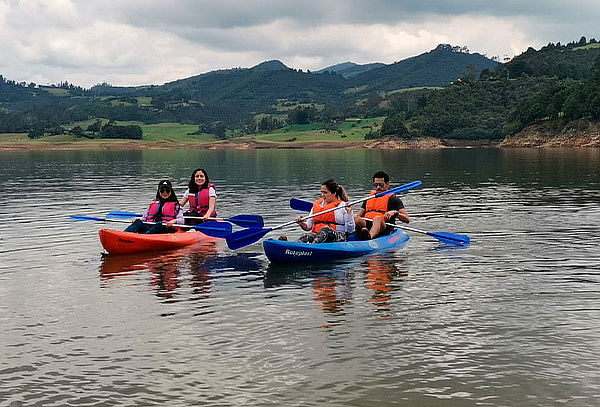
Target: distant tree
394	126
95	127
36	132
219	129
133	132
77	131
267	124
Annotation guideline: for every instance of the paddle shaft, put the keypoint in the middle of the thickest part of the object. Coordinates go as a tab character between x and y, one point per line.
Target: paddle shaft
402	227
126	221
390	191
240	220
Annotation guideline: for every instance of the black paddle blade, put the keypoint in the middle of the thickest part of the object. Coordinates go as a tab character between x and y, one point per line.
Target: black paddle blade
247	221
451	238
215	229
300	205
245	237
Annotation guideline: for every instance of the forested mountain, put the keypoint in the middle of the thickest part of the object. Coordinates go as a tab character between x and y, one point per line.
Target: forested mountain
559	83
350	69
438	67
236	96
477	97
573	60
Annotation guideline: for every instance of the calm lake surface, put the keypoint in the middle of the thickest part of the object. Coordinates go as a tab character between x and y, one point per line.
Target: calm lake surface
512	320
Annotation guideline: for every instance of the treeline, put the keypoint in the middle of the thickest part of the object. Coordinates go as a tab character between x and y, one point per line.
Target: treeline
498	104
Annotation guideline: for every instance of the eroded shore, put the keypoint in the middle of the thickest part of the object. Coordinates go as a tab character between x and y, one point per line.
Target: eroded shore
532	137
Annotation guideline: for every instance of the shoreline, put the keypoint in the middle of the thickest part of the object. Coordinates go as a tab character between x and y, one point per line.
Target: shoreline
531	139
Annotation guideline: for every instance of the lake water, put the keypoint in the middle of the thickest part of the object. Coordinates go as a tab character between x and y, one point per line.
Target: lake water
512	320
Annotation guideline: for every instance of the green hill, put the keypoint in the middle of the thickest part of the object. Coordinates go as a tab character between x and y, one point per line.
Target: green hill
438	67
573	60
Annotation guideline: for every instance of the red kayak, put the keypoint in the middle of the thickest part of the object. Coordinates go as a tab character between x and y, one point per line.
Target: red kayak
119	242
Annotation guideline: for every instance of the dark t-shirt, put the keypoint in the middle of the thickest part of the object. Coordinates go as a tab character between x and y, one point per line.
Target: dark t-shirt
394	204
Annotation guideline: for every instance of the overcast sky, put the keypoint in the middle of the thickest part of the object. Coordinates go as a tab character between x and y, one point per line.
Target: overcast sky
134	42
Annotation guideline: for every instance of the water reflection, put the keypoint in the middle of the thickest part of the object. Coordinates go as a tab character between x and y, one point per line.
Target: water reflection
498	323
192	268
333	286
165	268
381	274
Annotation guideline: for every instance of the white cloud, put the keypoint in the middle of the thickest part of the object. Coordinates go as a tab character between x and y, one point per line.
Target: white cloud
150	41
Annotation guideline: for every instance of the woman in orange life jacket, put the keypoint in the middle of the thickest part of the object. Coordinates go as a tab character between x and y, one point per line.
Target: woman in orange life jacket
334	226
379	211
164	211
202	197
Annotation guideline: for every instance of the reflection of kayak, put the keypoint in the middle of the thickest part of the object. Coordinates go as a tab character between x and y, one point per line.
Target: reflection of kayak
281	251
119	242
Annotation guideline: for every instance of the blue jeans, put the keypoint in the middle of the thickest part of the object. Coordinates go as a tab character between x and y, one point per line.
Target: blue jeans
140	227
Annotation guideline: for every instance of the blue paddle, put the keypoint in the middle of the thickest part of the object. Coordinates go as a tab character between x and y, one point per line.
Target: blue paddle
445	237
245	237
245	221
214	229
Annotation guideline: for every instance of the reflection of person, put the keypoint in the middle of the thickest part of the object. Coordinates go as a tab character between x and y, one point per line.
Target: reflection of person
202	197
379	278
333	226
379	211
164	208
325	292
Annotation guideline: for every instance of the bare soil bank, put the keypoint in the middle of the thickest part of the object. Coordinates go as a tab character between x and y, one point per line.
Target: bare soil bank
384	143
581	133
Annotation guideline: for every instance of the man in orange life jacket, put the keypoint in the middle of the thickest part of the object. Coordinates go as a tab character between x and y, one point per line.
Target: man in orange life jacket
379	211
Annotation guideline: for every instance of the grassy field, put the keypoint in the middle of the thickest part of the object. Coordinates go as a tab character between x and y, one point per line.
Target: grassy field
350	130
13	137
55	91
588	46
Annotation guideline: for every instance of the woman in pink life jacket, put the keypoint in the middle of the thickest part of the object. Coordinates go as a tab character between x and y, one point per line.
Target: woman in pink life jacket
164	212
201	196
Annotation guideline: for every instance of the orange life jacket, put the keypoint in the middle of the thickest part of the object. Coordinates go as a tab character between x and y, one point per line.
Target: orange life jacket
169	212
377	206
327	219
199	202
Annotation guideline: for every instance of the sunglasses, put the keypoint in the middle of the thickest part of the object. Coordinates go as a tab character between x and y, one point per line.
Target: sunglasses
164	189
378	184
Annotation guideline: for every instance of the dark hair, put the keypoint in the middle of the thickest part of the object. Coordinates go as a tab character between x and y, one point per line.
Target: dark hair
381	174
172	197
192	186
336	189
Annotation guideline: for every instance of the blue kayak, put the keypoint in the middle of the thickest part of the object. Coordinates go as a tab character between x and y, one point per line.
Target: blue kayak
281	251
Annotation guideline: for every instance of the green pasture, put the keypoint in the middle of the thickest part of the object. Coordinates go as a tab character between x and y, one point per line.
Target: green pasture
352	130
144	100
173	132
55	91
588	46
13	137
285	105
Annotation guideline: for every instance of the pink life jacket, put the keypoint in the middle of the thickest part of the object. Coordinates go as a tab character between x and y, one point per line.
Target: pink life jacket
199	202
169	211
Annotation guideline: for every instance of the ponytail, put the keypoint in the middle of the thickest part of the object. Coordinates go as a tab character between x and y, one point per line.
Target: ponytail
336	189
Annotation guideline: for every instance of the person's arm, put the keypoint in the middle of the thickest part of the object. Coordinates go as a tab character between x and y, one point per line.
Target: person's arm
184	200
179	219
362	211
305	224
396	210
347	217
144	218
212	203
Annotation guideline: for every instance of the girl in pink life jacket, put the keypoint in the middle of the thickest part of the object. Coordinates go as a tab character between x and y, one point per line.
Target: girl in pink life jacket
201	196
164	212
